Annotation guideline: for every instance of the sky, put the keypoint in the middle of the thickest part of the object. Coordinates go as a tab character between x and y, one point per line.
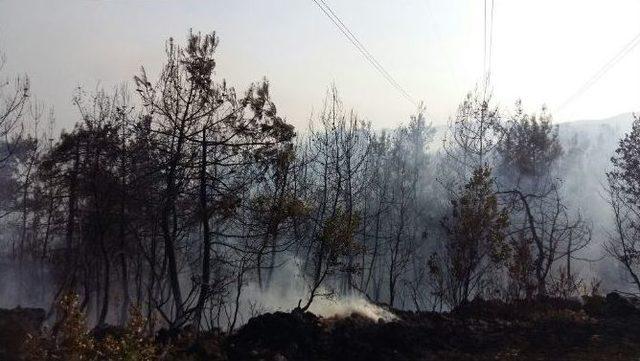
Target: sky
543	51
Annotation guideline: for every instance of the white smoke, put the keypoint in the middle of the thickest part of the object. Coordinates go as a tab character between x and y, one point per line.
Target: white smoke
590	145
345	306
25	284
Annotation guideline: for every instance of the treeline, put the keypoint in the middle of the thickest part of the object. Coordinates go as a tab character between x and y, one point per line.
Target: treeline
174	197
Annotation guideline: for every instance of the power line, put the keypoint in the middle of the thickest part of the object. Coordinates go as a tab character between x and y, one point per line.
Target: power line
364	49
484	33
488	44
344	29
490	41
626	49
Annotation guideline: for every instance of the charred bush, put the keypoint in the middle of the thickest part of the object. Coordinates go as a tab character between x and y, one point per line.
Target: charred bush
15	326
296	336
515	309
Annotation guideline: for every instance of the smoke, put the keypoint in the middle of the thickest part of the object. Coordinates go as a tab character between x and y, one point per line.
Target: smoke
348	305
589	146
288	287
25	284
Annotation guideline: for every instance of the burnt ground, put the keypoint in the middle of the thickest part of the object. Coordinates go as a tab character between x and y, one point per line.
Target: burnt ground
598	328
15	326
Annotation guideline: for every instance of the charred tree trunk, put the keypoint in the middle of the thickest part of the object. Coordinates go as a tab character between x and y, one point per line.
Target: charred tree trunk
206	235
169	228
70	263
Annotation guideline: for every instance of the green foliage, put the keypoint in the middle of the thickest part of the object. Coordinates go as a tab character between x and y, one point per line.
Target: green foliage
337	238
476	240
73	342
625	175
288	207
134	345
521	267
530	143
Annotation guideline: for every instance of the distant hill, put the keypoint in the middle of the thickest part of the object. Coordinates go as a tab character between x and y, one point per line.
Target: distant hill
617	125
620	119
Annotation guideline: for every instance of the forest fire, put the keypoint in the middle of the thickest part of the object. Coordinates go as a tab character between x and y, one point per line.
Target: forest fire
184	216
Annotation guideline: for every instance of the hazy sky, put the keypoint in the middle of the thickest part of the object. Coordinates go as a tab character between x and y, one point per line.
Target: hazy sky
543	50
